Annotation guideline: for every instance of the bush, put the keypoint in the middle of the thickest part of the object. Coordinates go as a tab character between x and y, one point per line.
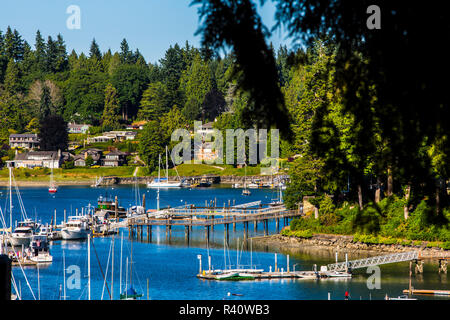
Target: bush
327	212
68	165
306	234
445	245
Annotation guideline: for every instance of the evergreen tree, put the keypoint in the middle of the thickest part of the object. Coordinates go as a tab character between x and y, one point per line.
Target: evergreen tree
45	105
154	102
126	55
152	143
53	134
40	52
130	80
94	51
12	78
110	118
172	66
196	83
61	60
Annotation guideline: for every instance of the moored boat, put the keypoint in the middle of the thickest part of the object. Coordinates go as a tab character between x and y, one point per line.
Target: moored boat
75	229
39	249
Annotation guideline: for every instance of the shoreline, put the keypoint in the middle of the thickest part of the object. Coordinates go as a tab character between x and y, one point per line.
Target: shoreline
124	180
341	244
27	183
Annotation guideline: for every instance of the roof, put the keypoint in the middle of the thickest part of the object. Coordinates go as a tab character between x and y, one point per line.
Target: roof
117	153
23	135
208	125
50	155
74	125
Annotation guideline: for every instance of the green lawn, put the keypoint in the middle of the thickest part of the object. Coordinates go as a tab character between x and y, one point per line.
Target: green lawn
43	174
204	169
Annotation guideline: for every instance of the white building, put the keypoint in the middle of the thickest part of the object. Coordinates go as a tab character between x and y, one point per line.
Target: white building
43	159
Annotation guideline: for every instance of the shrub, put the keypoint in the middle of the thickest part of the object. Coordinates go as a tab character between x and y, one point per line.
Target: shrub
445	245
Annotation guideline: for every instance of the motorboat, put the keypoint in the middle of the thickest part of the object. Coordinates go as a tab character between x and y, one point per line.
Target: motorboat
76	228
204	183
46	231
39	249
23	233
108	205
135	211
253	185
402	297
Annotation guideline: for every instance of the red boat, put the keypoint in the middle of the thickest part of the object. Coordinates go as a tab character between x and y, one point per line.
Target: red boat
52	189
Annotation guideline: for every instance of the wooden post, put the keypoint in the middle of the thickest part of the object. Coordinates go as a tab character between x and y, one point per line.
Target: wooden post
186	233
116	205
207	235
143	202
410	276
5	278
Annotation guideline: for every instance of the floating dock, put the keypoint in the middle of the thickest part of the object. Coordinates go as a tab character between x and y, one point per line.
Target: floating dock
428	292
249	275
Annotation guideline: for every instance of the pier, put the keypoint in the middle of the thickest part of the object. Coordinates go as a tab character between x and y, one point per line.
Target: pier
209	217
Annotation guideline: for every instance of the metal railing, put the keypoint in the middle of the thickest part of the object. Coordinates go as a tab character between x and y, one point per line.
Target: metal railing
374	261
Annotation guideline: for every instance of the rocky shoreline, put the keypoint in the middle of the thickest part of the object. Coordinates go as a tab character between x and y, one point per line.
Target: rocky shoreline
343	244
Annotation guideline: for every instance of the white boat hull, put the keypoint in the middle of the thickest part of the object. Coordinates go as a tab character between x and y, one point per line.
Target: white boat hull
19	241
164	185
74	234
42	258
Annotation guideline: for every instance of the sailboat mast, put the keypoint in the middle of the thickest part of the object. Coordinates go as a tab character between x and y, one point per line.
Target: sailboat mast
131	265
167	165
121	248
126	278
64	274
112	269
10	196
159	168
89	266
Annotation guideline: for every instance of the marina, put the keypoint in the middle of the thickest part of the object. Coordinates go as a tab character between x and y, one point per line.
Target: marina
158	259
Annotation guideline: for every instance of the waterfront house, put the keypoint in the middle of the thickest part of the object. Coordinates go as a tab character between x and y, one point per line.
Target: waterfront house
114	159
25	141
137	125
78	128
121	135
42	159
204	150
100	139
80	159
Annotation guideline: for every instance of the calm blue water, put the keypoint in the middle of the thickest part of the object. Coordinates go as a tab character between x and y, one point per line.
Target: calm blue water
171	265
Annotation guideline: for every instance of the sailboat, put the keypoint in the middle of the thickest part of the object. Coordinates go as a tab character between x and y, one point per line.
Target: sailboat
164	182
52	188
279	201
245	192
130	293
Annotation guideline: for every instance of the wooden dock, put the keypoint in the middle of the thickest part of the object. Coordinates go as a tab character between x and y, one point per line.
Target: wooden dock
209	217
427	292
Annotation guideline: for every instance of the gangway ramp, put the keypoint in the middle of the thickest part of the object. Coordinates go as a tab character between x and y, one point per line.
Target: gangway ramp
374	261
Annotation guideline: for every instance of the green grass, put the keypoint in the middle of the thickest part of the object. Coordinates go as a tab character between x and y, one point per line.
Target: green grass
43	174
204	169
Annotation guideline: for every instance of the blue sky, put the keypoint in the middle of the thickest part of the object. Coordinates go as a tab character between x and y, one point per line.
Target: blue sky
150	25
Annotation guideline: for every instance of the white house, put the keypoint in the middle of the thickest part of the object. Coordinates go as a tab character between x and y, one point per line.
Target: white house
43	159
